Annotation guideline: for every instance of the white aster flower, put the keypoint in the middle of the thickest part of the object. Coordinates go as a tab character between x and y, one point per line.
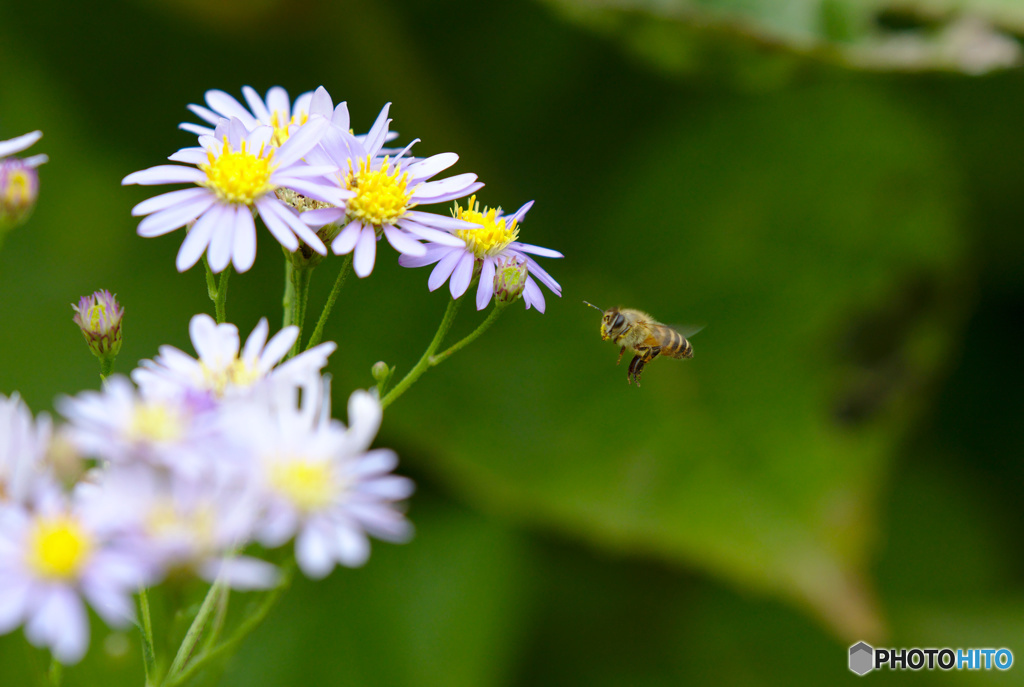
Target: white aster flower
23	446
51	556
222	369
177	431
20	143
490	244
322	483
276	111
196	525
382	191
237	172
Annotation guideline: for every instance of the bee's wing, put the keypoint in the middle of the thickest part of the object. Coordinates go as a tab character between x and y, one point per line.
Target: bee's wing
688	330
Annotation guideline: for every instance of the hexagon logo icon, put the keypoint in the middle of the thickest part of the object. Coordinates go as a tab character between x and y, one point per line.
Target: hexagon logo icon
862	658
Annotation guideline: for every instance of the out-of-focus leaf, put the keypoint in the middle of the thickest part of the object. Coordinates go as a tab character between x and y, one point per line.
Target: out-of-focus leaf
446	610
971	37
815	233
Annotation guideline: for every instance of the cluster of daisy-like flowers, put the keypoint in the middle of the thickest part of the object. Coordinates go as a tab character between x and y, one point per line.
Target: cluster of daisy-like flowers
180	472
314	183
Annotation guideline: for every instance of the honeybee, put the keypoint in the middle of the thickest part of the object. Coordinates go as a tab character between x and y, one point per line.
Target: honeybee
643	335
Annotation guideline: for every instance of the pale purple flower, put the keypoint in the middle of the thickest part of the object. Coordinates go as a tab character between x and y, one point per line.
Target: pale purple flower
20	143
23	446
382	191
276	111
196	525
237	173
52	555
174	431
224	369
491	244
322	483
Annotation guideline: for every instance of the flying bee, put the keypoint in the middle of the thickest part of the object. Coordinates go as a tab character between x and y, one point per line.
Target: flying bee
645	336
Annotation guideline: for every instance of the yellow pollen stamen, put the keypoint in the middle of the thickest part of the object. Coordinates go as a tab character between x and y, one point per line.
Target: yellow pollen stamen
58	547
281	121
308	484
238	176
236	373
494	234
155	421
382	196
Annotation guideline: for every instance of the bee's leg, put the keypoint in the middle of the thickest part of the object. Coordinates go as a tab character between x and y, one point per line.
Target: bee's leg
644	356
621	351
635	366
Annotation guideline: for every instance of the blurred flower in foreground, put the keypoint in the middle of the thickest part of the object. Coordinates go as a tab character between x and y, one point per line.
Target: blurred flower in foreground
23	445
382	191
99	317
322	483
492	242
19	182
237	171
53	554
220	370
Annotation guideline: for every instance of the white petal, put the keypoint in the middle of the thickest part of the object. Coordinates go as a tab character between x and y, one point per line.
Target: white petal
352	546
165	174
190	156
172	218
301	141
444	188
19	143
225	105
446	222
291	218
536	250
433	254
313	553
198	238
375	137
278	348
322	216
532	295
404	243
277	226
219	252
256	341
256	104
424	169
278	101
462	275
437	236
366	252
444	269
167	200
243	252
485	290
346	240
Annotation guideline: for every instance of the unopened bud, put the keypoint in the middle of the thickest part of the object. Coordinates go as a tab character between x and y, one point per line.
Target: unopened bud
99	318
382	373
509	280
19	188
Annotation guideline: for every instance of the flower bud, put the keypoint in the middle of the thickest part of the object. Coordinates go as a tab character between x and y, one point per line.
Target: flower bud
99	318
19	187
509	280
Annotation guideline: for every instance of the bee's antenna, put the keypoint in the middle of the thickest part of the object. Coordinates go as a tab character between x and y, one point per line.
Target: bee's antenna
594	306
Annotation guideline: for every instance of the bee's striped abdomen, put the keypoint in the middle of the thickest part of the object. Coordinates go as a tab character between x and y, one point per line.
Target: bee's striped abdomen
674	344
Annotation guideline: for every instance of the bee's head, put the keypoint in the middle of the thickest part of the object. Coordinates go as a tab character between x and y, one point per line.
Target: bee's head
612	323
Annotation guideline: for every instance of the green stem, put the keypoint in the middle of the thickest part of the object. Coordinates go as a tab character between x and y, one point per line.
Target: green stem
146	626
289	291
220	305
301	279
106	367
425	362
470	338
250	623
318	332
195	631
218	620
217	291
54	675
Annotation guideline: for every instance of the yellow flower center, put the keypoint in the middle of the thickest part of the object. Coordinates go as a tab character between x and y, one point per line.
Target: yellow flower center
94	315
494	234
238	176
281	121
382	196
18	189
236	374
308	484
155	421
58	547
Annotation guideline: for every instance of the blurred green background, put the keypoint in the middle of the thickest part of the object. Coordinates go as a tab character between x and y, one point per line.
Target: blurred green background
834	186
